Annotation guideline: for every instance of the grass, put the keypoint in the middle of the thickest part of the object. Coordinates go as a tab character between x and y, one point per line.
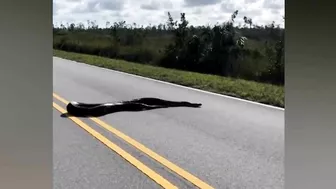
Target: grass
249	90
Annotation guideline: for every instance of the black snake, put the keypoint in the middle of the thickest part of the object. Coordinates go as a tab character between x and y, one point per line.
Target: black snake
87	110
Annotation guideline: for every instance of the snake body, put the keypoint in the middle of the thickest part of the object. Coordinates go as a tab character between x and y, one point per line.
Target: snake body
98	109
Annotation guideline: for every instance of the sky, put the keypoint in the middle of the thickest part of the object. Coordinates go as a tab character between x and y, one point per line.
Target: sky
141	12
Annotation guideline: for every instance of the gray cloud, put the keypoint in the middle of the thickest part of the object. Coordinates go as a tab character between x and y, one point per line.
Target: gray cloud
98	5
88	8
229	7
273	4
195	3
154	5
56	7
167	4
110	4
250	1
157	4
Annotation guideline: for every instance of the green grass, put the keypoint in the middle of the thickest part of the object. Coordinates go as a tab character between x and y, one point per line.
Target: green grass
260	92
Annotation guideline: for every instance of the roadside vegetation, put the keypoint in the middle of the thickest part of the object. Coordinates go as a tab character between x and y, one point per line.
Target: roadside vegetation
243	61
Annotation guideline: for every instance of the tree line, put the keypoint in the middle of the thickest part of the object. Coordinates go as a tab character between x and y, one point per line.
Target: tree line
249	52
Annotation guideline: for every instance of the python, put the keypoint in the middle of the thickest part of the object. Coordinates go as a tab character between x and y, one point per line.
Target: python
81	109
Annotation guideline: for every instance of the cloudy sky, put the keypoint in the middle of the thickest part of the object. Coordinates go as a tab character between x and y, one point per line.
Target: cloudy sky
144	12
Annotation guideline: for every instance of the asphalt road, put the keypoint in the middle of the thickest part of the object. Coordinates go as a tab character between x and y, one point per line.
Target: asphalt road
228	143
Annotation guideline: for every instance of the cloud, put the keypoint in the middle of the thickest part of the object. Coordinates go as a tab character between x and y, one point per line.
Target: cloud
110	4
250	1
97	5
154	5
229	6
273	4
198	12
195	3
55	8
157	5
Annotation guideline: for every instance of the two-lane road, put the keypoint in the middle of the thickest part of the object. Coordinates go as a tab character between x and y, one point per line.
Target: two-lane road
228	143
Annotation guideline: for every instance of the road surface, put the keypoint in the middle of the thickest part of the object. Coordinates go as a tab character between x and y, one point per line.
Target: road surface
226	144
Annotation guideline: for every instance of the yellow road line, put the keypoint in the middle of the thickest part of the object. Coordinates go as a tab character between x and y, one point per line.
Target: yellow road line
146	170
191	178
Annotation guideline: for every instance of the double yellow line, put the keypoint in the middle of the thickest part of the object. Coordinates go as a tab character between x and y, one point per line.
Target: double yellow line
146	170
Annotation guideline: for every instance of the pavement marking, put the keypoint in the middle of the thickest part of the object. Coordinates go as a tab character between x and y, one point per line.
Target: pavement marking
189	177
181	86
138	164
